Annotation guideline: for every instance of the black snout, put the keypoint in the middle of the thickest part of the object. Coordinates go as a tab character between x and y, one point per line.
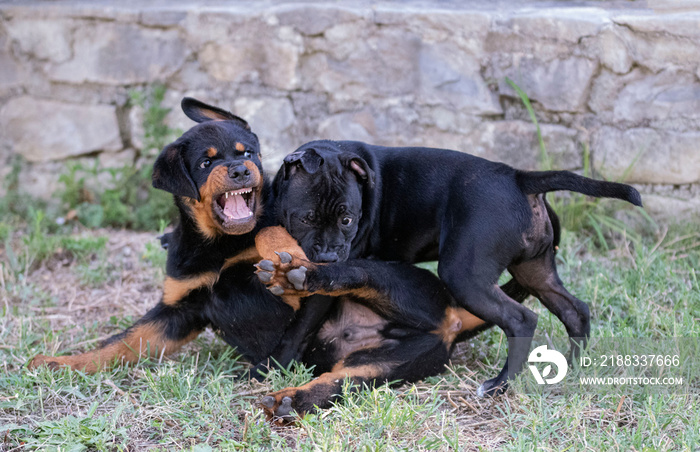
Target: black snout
239	173
330	256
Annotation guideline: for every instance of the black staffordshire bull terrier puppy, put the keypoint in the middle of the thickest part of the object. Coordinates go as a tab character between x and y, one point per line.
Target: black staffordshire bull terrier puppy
345	199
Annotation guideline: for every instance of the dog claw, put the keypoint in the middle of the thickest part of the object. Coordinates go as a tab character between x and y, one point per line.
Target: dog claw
491	388
285	257
297	277
266	265
276	290
285	408
268	402
265	277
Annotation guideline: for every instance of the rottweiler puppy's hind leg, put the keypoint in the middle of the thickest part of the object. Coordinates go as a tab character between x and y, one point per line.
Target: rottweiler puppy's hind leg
321	392
404	356
162	331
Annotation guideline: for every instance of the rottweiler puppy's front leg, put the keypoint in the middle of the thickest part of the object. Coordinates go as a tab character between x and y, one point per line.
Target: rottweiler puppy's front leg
291	277
287	272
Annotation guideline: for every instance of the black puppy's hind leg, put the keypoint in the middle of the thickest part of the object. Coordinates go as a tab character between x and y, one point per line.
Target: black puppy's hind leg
473	285
540	277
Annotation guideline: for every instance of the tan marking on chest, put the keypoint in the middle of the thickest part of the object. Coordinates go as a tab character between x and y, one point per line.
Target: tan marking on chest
174	290
249	255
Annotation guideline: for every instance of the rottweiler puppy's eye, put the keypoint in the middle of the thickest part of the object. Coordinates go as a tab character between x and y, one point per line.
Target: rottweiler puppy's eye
205	164
247	153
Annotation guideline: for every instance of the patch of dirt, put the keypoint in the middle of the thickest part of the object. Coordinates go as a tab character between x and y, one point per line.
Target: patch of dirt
132	285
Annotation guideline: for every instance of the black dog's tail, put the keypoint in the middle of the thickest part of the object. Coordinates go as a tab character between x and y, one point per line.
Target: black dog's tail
533	182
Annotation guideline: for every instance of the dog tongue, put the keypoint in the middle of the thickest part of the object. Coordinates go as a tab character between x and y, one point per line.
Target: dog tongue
236	208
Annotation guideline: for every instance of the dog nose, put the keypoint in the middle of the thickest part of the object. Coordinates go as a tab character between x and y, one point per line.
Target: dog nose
327	257
239	173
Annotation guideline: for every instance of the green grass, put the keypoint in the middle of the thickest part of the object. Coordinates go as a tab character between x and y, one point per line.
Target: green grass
195	402
63	288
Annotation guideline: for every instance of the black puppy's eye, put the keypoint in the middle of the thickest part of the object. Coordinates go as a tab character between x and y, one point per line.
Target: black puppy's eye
346	221
309	218
205	164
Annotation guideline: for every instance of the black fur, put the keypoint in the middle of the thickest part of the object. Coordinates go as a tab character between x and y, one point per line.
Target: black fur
210	278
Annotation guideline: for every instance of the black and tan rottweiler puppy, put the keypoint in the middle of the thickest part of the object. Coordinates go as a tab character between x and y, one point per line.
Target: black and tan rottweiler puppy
214	172
477	218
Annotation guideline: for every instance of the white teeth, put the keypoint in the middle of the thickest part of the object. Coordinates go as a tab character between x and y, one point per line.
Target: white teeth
242	191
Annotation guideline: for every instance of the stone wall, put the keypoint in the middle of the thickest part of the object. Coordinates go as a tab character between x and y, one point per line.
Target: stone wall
616	77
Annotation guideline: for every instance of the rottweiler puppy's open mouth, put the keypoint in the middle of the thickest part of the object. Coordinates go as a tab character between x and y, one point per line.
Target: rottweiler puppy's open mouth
232	207
228	204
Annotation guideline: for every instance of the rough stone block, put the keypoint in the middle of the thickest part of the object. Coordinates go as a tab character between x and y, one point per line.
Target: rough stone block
105	53
560	24
43	39
662	157
612	51
358	126
162	17
466	28
685	23
43	130
516	143
607	86
559	85
450	77
272	120
271	57
324	17
135	126
40	180
659	97
670	207
9	72
659	51
360	61
120	159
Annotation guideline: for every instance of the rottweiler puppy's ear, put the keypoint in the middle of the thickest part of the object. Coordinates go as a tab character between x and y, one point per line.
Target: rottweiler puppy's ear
198	111
170	173
360	167
308	159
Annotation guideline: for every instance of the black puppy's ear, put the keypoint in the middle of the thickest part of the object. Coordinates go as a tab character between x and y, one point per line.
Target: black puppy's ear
171	174
307	159
198	111
361	169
